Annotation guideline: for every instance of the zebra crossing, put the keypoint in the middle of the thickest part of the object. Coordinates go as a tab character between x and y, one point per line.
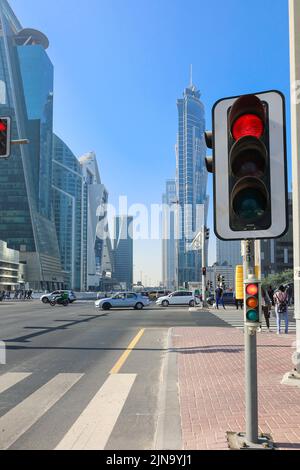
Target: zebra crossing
91	430
235	318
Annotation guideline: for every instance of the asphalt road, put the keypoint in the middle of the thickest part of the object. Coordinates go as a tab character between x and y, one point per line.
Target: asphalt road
78	378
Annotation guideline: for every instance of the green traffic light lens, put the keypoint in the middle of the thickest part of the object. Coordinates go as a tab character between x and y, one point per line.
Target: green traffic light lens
252	315
249	204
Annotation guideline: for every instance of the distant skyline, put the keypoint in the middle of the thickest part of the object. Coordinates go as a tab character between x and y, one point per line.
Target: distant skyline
120	66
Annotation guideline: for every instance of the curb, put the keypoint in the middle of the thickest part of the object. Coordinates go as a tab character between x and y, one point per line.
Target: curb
168	433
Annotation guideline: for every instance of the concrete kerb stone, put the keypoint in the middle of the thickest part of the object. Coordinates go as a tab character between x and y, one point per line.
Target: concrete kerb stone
168	433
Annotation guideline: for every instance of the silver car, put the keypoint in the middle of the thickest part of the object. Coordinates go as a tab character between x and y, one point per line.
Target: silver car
123	300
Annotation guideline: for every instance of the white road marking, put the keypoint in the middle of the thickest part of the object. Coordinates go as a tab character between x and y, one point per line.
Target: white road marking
10	379
18	420
94	426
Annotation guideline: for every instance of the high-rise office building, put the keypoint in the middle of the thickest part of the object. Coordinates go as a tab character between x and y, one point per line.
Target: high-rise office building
123	251
229	253
277	255
26	94
94	245
191	183
67	184
168	235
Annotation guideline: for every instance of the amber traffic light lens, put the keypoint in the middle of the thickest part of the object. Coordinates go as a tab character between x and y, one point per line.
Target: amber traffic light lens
252	302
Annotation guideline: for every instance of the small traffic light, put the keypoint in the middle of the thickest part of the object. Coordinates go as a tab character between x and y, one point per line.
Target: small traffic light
207	234
250	166
5	137
203	271
252	303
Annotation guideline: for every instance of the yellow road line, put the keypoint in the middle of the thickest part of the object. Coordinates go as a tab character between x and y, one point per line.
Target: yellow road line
117	367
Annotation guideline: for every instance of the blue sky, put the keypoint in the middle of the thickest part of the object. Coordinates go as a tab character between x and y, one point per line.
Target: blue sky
120	65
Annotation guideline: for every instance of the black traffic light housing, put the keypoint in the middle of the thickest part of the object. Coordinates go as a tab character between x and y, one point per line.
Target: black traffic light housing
5	136
249	165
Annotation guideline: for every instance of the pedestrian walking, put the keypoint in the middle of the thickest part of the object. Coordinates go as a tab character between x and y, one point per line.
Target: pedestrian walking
271	294
281	309
220	297
266	306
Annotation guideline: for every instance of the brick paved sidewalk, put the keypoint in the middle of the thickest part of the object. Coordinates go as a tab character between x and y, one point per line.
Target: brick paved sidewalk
211	387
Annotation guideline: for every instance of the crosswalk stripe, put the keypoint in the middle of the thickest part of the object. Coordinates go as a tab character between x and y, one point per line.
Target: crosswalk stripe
236	320
10	379
94	426
18	420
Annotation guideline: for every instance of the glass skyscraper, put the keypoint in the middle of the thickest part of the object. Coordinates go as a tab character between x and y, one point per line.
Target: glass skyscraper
94	205
169	244
26	94
191	183
123	251
67	184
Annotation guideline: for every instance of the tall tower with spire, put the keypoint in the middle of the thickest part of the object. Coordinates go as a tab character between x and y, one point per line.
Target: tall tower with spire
191	182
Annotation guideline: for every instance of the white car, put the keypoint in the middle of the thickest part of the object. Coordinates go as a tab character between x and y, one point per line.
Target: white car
178	298
123	300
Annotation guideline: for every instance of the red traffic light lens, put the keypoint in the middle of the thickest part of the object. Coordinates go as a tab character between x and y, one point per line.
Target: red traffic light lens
252	289
2	126
248	125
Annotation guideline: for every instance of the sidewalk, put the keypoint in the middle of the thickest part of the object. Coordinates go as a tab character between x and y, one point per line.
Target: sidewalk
211	387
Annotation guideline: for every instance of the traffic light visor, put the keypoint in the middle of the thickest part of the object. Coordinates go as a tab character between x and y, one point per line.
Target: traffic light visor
247	117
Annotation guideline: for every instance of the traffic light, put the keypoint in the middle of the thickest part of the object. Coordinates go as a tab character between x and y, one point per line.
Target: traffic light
5	137
252	303
203	271
250	167
207	233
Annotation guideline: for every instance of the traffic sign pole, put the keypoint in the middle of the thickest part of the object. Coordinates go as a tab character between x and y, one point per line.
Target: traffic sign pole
250	353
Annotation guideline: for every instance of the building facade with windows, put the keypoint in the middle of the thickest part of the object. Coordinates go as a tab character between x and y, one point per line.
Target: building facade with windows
96	249
168	235
191	183
229	253
67	185
277	255
123	251
26	94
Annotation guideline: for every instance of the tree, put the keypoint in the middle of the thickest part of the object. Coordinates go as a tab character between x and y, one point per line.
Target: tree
275	280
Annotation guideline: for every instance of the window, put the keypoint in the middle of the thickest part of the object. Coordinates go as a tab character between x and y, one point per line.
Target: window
131	296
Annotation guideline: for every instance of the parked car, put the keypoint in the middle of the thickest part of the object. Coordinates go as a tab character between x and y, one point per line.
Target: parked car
178	298
45	298
229	299
123	300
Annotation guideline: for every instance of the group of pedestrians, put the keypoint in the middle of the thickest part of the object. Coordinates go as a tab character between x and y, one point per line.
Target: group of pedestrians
281	299
16	295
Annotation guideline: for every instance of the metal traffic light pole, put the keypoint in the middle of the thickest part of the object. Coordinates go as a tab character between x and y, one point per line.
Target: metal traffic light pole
250	353
204	303
295	131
